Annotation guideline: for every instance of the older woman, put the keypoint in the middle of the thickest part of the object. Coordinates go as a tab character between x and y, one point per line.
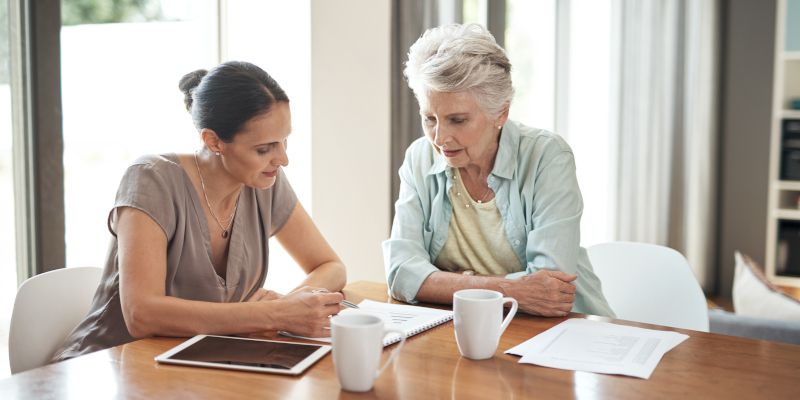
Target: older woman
484	202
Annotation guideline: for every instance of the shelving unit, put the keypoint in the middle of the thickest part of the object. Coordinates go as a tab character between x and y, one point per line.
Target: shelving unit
783	225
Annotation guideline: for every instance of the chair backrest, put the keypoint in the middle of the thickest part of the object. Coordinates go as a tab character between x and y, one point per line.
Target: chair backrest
47	308
650	283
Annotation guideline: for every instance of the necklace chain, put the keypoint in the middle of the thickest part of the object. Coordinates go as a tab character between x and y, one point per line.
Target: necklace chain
225	230
457	174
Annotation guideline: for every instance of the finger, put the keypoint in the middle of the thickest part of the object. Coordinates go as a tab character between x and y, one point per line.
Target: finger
325	331
556	313
566	298
565	287
332	309
563	276
331	298
556	308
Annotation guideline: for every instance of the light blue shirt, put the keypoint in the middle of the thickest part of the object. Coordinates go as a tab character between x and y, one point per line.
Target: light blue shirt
536	192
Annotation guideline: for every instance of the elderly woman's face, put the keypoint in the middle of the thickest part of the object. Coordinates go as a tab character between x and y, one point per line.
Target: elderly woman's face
458	128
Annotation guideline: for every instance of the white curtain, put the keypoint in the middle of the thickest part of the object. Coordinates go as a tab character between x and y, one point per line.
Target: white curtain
663	97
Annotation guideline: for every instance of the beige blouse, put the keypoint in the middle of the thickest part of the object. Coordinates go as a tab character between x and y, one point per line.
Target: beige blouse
158	186
476	237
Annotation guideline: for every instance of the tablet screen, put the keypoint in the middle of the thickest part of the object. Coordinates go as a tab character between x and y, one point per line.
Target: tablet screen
244	353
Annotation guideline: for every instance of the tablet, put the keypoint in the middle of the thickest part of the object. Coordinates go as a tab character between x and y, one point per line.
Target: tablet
245	354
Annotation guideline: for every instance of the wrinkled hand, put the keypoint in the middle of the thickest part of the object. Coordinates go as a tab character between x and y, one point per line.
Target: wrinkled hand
546	293
306	311
265	295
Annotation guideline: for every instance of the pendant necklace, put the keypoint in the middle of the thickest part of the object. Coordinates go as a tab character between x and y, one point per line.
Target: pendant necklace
456	176
225	230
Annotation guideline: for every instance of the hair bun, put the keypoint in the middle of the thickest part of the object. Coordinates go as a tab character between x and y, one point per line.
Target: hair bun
188	83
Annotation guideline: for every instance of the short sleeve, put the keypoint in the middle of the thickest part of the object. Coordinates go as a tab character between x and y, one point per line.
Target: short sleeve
146	187
283	202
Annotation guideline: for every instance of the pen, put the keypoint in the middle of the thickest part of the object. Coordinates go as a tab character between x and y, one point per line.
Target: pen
343	303
346	303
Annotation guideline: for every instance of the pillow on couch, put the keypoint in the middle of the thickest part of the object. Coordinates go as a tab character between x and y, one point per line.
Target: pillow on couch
755	296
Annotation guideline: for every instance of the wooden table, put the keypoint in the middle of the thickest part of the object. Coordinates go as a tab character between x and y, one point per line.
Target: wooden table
791	291
429	367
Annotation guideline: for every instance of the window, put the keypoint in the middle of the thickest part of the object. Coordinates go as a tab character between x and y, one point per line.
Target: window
8	272
560	55
587	97
252	31
120	99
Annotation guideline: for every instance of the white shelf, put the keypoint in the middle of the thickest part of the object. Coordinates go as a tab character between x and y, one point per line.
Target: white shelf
784	195
788	185
787	214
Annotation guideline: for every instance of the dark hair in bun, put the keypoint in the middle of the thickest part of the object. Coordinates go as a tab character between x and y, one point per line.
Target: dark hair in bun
228	96
188	83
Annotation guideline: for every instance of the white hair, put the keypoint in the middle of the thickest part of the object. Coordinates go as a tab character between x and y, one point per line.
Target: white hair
455	58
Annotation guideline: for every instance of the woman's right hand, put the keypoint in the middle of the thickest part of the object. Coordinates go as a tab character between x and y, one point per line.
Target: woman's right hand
306	311
545	292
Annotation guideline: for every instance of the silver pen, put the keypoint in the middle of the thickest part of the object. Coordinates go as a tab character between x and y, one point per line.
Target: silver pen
343	303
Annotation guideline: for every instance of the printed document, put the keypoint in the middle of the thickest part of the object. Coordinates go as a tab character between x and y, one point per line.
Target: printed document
584	345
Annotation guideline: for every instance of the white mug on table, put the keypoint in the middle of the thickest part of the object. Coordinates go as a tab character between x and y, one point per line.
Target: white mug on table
357	346
478	320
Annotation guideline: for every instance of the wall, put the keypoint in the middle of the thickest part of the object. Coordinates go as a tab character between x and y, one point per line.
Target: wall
350	114
746	67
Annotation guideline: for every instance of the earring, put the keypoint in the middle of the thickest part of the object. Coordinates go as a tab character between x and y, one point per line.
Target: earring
217	153
500	127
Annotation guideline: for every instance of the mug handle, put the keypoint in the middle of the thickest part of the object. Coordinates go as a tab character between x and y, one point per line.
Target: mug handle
511	313
395	351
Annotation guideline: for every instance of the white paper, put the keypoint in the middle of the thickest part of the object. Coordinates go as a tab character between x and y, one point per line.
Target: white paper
407	318
584	345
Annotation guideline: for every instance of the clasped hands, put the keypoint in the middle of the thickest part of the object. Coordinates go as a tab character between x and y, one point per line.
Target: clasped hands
545	292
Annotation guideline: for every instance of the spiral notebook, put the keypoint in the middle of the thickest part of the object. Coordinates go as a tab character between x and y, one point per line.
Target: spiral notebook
407	318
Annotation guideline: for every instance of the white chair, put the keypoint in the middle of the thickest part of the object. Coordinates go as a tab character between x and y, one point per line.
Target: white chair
650	283
47	308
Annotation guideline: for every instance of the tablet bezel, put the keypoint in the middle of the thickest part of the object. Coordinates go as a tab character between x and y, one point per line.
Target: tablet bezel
298	368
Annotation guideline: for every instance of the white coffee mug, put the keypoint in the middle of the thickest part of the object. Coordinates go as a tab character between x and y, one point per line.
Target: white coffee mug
478	319
357	346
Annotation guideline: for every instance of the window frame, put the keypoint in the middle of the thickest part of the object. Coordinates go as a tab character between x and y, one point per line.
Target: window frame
37	141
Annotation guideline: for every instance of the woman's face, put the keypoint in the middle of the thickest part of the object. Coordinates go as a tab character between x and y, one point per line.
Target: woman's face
259	149
459	129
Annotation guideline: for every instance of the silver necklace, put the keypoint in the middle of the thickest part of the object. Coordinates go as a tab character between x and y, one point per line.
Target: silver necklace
225	230
456	174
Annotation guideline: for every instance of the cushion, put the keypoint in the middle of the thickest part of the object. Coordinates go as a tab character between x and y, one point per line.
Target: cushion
755	296
726	323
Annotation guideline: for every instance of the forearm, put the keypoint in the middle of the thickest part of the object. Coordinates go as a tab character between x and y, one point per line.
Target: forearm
330	275
172	316
440	286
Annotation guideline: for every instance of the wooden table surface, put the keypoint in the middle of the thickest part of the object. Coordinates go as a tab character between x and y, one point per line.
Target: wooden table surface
429	367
